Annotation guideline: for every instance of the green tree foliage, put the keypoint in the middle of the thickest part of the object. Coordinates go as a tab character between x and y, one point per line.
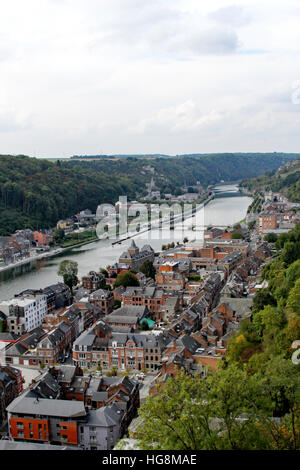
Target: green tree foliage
290	252
271	237
69	270
293	273
37	193
148	269
262	298
126	279
293	301
286	181
59	236
268	319
229	410
237	235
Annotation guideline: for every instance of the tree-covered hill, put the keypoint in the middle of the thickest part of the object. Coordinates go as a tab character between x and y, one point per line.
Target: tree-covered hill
35	193
285	180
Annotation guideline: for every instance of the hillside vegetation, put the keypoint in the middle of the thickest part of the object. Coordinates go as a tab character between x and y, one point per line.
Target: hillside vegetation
36	193
285	180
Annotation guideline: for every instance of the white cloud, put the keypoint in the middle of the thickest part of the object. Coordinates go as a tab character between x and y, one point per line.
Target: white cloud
183	118
148	76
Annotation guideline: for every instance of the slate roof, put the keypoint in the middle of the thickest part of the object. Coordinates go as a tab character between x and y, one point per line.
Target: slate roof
5	378
66	373
189	343
46	387
28	405
100	294
106	416
14	445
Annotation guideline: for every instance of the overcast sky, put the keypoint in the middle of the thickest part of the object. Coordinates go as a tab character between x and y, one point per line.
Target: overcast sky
149	76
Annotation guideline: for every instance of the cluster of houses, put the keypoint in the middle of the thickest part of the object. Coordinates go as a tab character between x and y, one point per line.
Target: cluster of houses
25	243
66	407
20	245
278	215
181	319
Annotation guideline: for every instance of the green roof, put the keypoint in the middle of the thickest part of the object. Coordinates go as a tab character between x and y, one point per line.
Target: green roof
148	321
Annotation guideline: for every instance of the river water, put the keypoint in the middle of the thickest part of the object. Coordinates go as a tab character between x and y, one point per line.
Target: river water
38	274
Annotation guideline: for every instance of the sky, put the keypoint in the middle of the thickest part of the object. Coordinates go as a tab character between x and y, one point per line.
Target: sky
87	77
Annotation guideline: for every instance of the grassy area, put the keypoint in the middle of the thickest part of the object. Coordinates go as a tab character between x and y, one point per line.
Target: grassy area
79	238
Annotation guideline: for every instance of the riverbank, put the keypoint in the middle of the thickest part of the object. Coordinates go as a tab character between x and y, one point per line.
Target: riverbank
91	256
46	254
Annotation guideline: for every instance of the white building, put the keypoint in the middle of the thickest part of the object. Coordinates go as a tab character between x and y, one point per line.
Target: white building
25	313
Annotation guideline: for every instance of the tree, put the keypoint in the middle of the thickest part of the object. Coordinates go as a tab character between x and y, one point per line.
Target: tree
268	319
171	417
237	235
59	236
293	273
262	297
126	279
237	344
290	252
69	270
293	301
104	272
271	237
148	269
281	240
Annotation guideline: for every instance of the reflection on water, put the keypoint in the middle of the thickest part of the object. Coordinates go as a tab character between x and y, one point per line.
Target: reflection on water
40	273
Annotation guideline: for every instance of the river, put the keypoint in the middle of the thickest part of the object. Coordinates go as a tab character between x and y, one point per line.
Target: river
38	274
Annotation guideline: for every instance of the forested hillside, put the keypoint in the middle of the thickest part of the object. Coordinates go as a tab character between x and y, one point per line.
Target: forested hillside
35	193
286	180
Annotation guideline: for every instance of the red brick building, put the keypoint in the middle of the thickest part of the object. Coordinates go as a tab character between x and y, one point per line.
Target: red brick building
42	238
267	221
93	281
103	299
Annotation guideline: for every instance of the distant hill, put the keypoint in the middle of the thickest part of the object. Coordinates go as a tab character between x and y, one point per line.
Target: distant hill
96	157
191	155
36	193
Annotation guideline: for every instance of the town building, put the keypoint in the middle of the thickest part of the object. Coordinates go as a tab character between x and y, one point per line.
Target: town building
25	312
100	346
10	387
93	281
153	298
103	299
135	258
42	238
